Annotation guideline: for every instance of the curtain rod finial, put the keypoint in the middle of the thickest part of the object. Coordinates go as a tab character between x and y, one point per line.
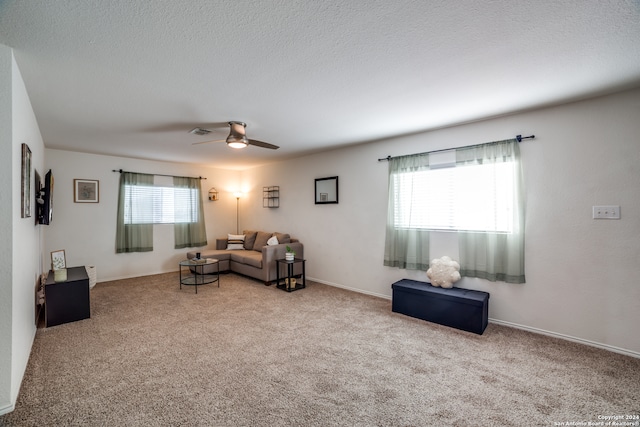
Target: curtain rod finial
519	138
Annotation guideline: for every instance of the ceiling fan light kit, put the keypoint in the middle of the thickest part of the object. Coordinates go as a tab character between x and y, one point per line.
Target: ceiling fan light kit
236	144
237	137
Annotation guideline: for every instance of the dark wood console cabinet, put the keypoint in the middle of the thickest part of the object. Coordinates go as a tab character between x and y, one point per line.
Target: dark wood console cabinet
67	301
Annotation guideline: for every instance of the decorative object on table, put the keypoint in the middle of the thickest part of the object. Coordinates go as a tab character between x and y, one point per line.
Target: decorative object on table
86	191
290	254
58	260
60	275
290	283
326	190
26	181
59	266
443	272
213	195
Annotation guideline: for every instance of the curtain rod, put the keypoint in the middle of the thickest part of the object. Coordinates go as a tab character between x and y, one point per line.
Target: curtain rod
519	138
159	174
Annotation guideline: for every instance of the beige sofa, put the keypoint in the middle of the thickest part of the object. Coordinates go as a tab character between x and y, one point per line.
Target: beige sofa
256	259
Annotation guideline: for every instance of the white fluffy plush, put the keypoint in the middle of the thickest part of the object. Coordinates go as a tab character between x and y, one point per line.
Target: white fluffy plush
443	272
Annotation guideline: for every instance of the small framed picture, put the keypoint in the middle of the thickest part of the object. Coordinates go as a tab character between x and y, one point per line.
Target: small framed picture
86	191
324	197
58	260
26	181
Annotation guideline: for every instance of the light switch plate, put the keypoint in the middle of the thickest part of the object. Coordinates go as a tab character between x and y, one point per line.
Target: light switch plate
606	212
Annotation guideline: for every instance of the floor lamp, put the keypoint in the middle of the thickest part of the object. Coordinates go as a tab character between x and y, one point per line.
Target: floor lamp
237	211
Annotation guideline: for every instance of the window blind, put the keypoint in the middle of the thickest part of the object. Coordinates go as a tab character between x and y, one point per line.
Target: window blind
146	204
477	198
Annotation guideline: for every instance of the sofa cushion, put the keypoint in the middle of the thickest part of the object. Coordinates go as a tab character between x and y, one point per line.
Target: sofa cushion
283	237
273	240
235	241
251	258
249	238
261	240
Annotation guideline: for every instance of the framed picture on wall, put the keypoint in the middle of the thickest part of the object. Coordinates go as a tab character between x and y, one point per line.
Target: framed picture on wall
26	181
86	191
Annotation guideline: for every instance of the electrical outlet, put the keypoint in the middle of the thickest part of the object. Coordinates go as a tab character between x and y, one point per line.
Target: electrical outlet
606	212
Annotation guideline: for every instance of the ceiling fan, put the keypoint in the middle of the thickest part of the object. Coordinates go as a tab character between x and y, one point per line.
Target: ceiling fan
237	137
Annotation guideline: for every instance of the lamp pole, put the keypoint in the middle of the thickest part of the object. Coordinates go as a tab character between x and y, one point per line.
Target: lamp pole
238	194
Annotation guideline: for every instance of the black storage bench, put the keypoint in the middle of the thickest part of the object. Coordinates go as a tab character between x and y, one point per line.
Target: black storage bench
459	308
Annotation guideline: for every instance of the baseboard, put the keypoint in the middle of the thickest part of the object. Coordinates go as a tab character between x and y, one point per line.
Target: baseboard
509	324
134	276
360	291
567	338
5	408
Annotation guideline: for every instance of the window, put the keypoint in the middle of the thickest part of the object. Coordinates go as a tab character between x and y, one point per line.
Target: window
475	192
477	198
145	204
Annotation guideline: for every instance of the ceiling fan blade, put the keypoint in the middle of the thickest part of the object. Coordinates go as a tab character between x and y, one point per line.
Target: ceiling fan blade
208	142
262	144
182	126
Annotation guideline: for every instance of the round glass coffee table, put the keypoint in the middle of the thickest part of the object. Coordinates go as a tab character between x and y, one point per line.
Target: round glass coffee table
195	272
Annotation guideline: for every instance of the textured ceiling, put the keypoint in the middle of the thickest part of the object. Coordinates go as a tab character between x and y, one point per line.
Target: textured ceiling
131	77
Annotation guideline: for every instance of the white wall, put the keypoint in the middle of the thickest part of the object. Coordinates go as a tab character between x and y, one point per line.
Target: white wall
6	235
21	239
87	231
581	273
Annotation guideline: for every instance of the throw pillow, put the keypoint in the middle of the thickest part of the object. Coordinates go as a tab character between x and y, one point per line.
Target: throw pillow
249	239
283	237
261	240
235	241
272	241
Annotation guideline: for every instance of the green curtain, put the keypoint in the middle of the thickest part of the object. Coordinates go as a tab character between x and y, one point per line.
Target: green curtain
406	248
495	256
190	231
133	237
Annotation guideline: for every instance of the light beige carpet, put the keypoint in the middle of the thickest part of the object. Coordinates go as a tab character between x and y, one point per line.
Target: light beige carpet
249	355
